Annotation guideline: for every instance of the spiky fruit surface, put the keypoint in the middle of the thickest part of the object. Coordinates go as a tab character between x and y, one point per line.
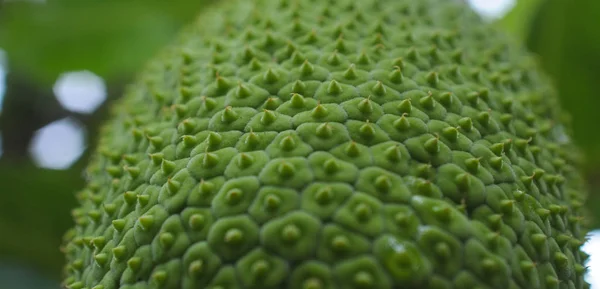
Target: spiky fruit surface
311	144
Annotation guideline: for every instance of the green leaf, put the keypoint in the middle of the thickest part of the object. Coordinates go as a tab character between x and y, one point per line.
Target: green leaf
563	34
110	38
518	20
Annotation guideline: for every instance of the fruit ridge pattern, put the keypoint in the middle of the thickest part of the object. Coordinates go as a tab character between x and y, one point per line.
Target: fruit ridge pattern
321	144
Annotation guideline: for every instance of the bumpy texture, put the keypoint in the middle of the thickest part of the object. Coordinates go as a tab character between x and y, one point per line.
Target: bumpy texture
312	144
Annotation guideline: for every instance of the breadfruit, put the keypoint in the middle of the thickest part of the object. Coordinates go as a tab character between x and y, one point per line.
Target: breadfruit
333	144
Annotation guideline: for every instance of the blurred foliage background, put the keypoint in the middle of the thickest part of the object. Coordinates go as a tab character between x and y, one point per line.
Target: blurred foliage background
44	39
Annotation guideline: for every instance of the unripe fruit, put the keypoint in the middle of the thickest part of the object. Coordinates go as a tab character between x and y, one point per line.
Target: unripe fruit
320	144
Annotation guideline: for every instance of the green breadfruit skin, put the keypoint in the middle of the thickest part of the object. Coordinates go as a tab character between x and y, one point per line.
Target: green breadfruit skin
340	144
